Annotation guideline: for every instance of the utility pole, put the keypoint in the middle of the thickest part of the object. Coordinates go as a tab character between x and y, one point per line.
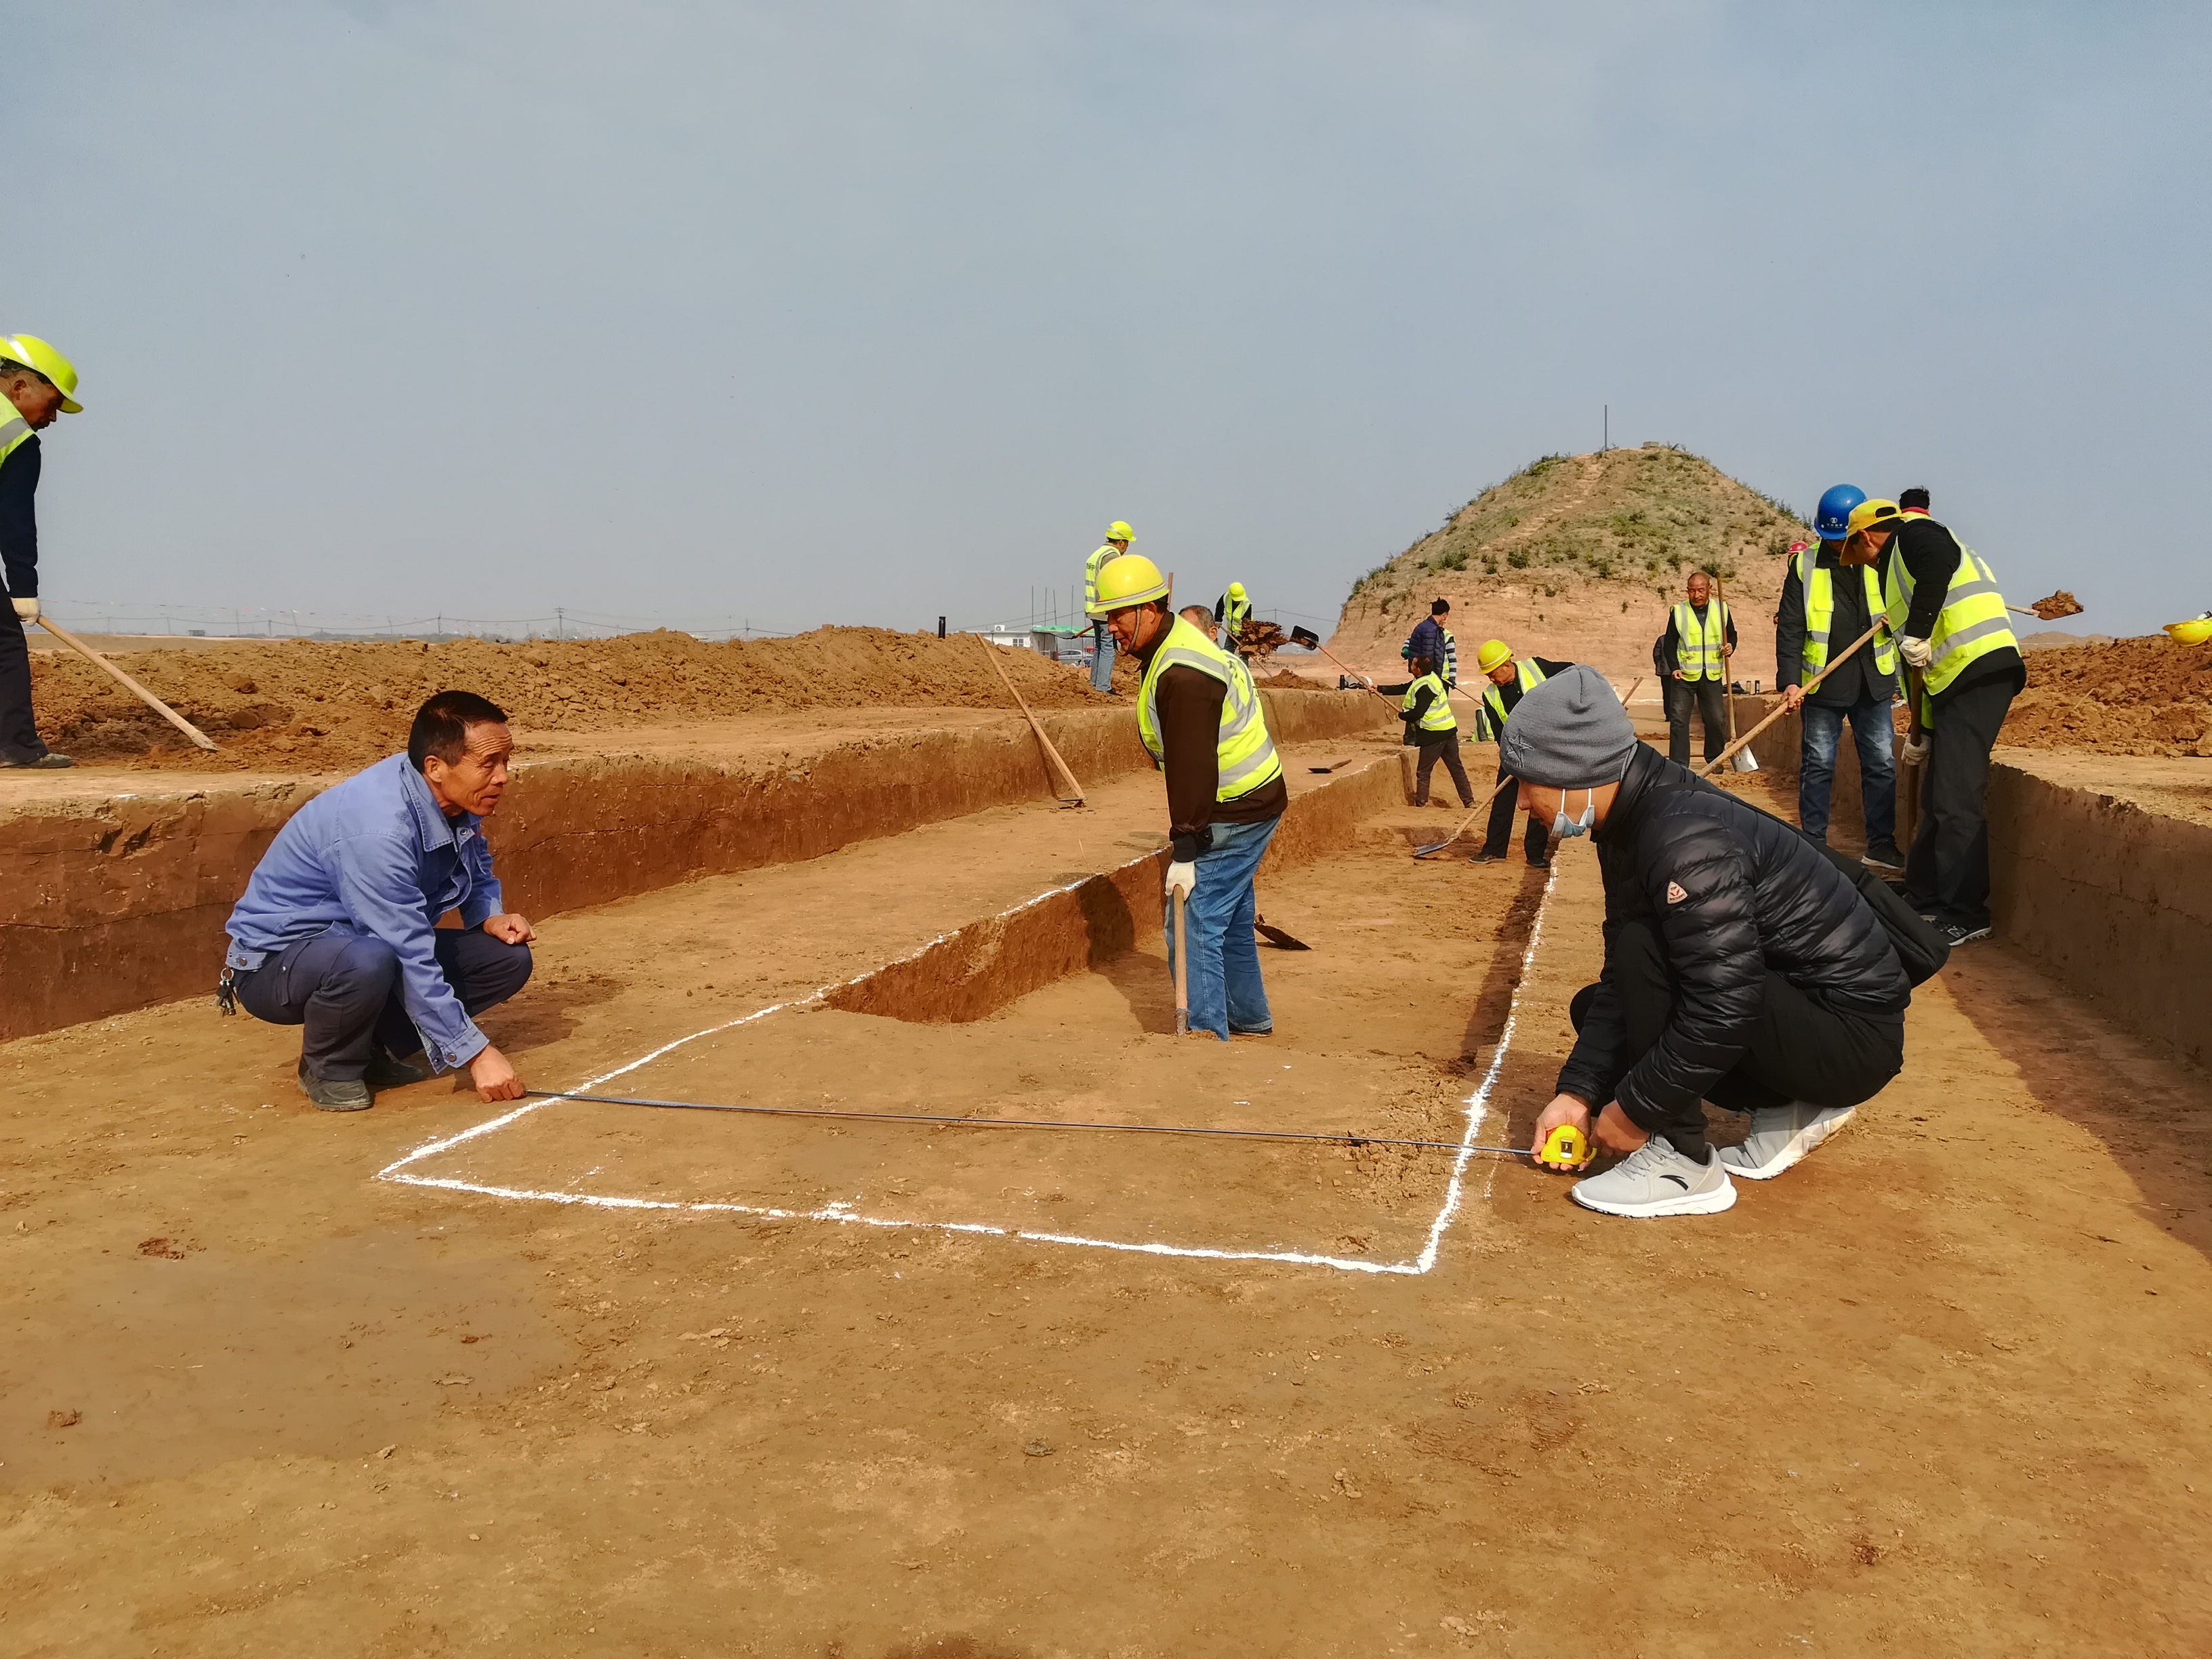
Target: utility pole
1605	443
560	623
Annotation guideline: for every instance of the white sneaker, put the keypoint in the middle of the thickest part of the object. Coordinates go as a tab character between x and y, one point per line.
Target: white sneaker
1781	1136
1656	1180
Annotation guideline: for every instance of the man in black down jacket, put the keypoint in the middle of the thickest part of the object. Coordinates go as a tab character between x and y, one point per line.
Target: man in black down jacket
1742	967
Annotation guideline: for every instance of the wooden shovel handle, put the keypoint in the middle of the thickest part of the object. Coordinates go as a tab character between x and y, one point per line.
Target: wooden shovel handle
140	691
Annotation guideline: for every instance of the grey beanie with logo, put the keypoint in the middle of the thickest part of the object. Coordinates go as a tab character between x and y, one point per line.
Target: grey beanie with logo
1570	732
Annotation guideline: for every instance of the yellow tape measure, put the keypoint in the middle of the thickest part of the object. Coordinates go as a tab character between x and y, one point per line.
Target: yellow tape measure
1566	1144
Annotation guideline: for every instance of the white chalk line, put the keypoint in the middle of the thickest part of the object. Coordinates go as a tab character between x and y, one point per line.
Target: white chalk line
1477	1108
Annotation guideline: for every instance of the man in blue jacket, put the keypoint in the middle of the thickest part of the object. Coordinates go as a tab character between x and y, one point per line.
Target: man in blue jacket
338	930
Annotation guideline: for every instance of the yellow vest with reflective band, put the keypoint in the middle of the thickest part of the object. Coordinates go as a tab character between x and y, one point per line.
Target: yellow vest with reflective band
1819	583
1438	716
1245	752
15	431
1091	568
1233	612
1697	641
1972	623
1491	721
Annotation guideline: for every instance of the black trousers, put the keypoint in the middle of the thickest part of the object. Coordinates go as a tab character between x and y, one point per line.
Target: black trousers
1709	697
1947	872
19	733
1800	1049
344	988
1498	838
1441	746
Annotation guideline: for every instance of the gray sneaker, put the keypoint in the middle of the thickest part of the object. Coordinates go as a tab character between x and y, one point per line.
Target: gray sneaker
1781	1136
331	1094
1656	1180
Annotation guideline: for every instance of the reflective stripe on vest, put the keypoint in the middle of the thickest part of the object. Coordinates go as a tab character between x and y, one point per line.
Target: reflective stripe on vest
1819	583
1244	753
1451	659
1491	721
1090	580
1971	623
1698	640
1438	716
1233	612
12	435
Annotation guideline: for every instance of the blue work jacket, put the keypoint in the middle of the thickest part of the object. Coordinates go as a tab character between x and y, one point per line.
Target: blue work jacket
375	856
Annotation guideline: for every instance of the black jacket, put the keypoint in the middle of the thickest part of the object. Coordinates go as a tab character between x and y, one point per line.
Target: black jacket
1855	681
1932	553
19	518
1734	895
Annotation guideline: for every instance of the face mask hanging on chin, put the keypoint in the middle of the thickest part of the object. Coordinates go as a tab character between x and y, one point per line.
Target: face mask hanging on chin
1566	828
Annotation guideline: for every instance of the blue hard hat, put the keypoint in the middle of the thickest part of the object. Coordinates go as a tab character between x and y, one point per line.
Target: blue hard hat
1833	516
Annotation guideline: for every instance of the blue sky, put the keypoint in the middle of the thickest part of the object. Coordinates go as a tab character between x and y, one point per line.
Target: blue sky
815	313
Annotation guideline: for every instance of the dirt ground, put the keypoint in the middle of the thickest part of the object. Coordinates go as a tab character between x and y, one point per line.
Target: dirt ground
2140	697
1940	1390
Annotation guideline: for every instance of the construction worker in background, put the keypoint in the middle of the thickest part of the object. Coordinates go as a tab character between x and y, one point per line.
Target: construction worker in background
1951	627
1432	638
1511	679
1230	612
1118	537
1693	657
1743	966
1199	717
1828	599
40	384
1431	728
1913	503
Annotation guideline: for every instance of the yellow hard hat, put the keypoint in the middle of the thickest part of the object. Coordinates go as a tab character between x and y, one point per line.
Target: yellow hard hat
2195	631
1493	652
1237	590
1130	579
1876	515
1118	532
34	353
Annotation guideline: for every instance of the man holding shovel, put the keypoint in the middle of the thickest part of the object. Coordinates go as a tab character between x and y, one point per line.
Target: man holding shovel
1694	656
39	381
1199	717
1829	597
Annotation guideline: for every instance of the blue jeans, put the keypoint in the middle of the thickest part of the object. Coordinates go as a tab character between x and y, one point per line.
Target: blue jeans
1225	992
1101	660
1816	767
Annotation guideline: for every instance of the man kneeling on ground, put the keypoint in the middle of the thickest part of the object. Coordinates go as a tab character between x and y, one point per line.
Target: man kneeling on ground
1741	966
337	930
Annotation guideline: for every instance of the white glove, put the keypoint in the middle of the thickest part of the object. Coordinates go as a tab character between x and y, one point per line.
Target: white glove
1914	651
1915	752
1181	879
27	610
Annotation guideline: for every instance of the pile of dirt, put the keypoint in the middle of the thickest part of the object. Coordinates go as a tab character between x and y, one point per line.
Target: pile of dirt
303	705
1578	557
2138	696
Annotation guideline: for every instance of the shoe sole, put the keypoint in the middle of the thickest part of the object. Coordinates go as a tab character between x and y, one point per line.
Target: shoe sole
1798	1148
1721	1197
1969	938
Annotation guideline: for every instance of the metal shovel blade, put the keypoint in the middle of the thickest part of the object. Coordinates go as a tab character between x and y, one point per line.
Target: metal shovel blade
1743	760
1276	937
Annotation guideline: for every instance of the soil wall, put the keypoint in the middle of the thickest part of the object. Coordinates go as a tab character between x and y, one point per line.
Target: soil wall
110	902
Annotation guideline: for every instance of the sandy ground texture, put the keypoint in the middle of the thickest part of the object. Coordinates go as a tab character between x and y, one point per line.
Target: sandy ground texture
2140	697
318	706
1941	1389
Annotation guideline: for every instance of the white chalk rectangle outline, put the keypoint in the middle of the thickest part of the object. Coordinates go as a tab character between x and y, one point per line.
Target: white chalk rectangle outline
1477	1107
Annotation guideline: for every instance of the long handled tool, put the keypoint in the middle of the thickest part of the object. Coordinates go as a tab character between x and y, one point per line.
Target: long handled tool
1311	640
1741	759
1834	663
1473	812
1182	972
1564	1145
992	651
130	685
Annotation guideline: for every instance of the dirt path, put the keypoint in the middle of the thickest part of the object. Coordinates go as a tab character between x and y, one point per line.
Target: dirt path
1942	1390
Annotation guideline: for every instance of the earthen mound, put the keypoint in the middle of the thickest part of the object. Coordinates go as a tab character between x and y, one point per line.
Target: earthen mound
2139	696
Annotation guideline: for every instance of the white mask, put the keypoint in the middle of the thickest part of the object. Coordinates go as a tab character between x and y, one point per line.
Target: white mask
1565	828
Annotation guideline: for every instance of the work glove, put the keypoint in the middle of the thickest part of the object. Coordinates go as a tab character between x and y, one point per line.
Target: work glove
27	610
1914	751
1182	877
1915	652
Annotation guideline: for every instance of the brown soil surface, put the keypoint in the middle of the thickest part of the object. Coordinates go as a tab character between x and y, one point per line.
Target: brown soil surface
2141	696
316	706
1940	1390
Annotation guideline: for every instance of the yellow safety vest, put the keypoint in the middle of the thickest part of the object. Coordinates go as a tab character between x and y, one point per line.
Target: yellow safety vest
1491	722
1245	752
1697	641
1091	568
15	431
1818	582
1972	623
1233	612
1438	716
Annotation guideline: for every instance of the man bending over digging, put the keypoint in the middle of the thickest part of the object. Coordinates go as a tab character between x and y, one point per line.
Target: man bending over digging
1742	965
337	930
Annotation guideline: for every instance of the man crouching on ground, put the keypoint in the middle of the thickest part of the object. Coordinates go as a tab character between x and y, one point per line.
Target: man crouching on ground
1741	966
338	930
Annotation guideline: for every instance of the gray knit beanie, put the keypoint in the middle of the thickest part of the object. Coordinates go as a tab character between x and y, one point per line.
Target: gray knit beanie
1570	732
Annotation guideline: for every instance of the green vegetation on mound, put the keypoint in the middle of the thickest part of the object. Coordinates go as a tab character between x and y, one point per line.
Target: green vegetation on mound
1641	515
